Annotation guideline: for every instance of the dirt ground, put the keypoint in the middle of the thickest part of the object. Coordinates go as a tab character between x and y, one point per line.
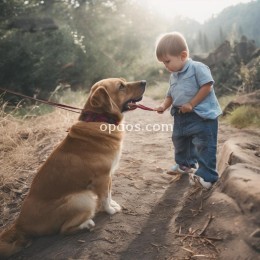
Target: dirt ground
162	216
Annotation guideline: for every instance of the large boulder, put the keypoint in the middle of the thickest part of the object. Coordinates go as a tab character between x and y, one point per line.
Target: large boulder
239	168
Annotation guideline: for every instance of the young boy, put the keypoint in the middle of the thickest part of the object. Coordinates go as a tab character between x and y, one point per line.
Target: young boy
195	110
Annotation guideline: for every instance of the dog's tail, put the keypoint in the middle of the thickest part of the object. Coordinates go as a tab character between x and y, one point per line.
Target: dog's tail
12	241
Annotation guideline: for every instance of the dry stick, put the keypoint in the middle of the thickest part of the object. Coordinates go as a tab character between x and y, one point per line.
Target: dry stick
201	205
180	230
210	217
188	250
204	256
103	239
208	241
196	236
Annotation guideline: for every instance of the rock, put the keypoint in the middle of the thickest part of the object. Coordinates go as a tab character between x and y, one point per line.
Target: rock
226	63
222	53
247	99
239	149
254	240
239	168
242	184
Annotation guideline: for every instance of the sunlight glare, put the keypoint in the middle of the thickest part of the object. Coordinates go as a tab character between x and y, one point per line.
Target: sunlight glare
199	10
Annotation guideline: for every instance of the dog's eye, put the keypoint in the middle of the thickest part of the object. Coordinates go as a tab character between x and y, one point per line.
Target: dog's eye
121	87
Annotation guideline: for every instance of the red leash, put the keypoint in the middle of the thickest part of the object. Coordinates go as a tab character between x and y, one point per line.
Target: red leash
141	107
62	106
66	107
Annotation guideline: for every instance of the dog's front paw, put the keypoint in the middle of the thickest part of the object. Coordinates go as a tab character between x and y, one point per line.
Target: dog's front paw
110	210
88	224
115	205
113	208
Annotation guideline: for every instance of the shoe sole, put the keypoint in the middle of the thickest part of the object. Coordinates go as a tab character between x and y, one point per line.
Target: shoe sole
196	181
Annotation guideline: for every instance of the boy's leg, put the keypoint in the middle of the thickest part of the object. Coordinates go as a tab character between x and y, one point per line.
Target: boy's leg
205	142
183	150
182	147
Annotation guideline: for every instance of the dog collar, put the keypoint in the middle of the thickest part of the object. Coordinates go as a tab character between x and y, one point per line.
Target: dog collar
90	116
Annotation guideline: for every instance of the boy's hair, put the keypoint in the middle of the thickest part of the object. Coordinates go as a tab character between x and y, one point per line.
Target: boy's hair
171	44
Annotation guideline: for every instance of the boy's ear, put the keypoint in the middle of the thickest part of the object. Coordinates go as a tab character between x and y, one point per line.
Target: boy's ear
184	55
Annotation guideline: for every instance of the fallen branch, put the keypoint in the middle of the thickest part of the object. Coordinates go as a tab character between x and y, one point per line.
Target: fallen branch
210	217
188	250
197	236
198	256
103	239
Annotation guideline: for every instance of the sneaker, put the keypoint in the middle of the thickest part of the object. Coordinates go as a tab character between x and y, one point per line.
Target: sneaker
196	180
180	169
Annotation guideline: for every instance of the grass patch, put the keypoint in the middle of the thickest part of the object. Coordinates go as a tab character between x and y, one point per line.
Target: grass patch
224	100
157	91
72	98
245	116
28	109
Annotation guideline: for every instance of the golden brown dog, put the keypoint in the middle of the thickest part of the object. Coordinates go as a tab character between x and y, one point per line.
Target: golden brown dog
75	181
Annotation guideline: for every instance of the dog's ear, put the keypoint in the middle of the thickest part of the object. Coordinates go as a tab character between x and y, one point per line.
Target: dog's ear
100	99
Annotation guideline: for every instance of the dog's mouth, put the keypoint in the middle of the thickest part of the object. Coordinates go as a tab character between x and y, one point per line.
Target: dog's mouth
131	104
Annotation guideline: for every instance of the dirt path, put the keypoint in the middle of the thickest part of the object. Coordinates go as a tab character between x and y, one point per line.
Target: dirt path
157	210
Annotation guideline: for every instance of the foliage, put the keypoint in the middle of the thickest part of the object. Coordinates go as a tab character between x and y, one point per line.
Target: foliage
249	78
79	47
225	100
245	116
77	42
35	63
233	22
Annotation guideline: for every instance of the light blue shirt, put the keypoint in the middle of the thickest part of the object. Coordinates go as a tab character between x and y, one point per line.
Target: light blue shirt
185	84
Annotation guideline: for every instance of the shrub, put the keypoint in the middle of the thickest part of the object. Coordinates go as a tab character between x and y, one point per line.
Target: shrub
245	116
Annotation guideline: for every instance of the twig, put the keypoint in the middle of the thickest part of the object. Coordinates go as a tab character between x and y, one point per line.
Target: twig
204	256
201	205
196	236
175	179
156	246
180	230
103	239
209	242
188	250
210	217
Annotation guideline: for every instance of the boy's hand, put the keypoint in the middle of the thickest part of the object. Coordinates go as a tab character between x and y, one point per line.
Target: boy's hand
186	108
159	109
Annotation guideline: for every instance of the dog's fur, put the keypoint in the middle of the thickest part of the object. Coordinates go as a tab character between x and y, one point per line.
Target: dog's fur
75	181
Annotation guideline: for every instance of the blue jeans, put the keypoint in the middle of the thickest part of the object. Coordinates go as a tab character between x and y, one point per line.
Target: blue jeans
195	141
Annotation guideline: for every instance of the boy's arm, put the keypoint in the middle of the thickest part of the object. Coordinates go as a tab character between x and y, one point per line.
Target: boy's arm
165	105
202	93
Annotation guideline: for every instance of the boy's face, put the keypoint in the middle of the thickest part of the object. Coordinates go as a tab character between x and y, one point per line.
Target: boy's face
173	63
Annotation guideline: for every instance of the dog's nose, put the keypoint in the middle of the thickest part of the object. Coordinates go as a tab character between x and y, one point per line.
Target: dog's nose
143	83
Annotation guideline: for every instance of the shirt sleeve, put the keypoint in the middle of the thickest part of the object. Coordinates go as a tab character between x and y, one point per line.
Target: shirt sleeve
168	93
203	75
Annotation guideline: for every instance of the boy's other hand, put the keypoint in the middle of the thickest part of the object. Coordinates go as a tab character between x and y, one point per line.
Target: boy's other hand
186	108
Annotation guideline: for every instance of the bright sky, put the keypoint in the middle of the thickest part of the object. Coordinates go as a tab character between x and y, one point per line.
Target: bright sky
200	10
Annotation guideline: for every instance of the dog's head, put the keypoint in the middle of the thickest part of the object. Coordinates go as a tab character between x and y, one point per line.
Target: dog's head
112	96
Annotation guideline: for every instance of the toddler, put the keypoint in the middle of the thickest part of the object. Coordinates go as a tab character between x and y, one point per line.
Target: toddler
195	109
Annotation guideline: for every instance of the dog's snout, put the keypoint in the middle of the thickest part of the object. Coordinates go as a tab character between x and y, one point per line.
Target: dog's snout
143	83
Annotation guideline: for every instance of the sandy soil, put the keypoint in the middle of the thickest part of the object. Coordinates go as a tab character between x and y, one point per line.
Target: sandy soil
162	216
